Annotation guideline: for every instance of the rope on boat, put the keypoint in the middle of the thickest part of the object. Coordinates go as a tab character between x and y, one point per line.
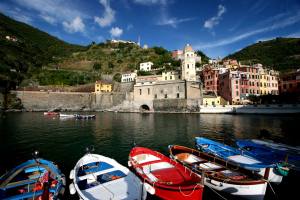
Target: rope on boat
190	194
216	192
272	189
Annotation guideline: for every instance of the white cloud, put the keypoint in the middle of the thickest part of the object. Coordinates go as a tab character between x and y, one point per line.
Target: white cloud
74	26
15	13
129	27
294	35
58	10
151	2
49	19
116	32
276	25
210	23
173	21
108	16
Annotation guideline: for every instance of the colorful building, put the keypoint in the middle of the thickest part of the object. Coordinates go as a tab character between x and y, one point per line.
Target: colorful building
229	86
170	75
290	83
249	81
268	82
103	86
211	99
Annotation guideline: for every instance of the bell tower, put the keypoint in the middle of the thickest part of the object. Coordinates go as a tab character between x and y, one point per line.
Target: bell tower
188	68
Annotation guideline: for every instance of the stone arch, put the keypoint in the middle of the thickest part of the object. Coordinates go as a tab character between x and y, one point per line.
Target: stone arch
144	107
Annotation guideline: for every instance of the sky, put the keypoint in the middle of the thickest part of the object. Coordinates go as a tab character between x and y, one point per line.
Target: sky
216	27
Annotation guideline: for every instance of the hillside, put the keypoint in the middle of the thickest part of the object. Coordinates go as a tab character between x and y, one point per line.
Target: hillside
33	57
282	54
28	48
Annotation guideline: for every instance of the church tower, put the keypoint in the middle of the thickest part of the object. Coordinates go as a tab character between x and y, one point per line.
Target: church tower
188	68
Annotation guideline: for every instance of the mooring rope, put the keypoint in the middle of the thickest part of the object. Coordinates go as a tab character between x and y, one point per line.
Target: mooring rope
187	195
272	189
216	192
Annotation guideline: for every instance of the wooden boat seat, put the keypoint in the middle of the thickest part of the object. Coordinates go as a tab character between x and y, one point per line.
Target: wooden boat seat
144	158
209	166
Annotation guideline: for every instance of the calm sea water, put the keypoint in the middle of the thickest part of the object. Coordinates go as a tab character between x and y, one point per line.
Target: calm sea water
112	135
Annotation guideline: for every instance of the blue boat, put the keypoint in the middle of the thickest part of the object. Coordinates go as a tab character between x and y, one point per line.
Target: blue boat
33	179
270	151
271	171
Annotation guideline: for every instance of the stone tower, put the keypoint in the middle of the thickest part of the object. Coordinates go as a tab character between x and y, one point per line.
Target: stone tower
188	68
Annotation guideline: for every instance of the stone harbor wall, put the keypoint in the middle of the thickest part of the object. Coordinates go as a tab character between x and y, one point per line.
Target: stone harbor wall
124	102
68	101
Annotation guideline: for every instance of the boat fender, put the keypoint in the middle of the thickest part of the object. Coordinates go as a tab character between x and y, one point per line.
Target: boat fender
72	174
214	183
149	188
72	189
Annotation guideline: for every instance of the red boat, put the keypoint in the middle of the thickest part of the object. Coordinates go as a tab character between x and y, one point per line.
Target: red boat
51	113
163	177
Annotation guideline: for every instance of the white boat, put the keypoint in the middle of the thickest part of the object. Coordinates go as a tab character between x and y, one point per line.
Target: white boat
99	177
67	115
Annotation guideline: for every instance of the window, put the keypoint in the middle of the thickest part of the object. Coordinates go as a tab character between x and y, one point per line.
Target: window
170	77
177	95
155	96
237	87
237	82
140	91
148	91
188	66
165	78
166	96
178	88
246	90
237	93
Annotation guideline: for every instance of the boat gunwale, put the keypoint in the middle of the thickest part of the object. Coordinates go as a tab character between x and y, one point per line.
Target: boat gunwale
214	158
162	185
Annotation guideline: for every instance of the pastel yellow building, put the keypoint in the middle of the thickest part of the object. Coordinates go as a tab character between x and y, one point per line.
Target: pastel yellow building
268	83
211	99
171	75
102	86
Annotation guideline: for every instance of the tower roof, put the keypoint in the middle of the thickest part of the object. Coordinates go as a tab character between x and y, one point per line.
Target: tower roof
188	48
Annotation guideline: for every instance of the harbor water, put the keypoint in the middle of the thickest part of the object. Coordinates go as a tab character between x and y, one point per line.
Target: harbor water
113	134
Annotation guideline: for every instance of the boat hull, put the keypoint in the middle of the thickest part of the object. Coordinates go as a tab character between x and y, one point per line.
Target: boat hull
255	192
242	183
162	175
238	158
97	177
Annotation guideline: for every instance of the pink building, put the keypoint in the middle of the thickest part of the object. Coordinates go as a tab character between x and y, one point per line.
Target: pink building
250	81
177	54
210	77
229	86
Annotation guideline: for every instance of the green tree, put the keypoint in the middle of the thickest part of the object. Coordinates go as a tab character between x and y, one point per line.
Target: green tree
117	77
111	65
97	66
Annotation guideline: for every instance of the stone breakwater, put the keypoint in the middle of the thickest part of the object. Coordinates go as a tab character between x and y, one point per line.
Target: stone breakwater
68	101
124	102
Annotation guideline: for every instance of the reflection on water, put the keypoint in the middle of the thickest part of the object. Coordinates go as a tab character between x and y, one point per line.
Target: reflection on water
113	134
